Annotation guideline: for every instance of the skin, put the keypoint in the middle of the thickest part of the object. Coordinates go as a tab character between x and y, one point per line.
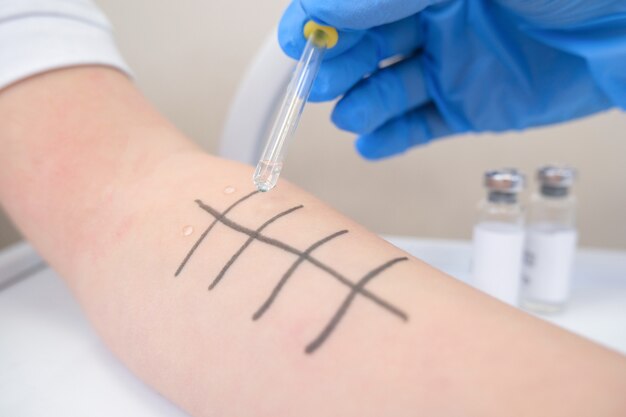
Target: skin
103	186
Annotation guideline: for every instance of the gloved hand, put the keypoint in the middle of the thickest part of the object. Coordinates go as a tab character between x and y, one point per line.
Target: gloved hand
462	65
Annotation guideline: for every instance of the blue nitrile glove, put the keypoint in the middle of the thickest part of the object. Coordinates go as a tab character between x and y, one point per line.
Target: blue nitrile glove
463	66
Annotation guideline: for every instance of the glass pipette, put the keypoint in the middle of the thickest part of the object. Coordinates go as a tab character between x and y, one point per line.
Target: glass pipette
319	39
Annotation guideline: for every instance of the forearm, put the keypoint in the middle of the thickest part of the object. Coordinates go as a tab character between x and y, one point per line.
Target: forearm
72	142
117	200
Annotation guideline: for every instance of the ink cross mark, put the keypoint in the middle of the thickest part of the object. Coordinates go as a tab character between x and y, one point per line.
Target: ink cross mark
311	347
251	238
206	232
357	289
290	272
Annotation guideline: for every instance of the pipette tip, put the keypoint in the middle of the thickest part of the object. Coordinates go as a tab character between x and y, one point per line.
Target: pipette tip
263	186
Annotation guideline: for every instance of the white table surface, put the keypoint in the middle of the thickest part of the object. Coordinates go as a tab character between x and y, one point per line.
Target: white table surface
53	364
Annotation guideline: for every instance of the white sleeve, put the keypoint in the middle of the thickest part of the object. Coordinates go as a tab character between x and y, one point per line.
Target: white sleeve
40	35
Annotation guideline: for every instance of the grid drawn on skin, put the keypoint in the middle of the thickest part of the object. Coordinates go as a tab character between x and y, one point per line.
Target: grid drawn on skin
256	235
279	244
208	229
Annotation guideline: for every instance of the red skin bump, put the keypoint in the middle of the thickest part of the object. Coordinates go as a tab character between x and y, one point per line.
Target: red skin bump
124	227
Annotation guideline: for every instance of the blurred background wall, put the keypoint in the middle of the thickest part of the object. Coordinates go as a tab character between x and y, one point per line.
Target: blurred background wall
189	55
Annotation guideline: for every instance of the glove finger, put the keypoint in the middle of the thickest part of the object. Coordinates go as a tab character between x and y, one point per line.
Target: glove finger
362	14
417	127
562	14
337	75
292	40
387	94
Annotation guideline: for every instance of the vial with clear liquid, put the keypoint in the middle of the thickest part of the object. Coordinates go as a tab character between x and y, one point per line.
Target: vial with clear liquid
498	238
550	242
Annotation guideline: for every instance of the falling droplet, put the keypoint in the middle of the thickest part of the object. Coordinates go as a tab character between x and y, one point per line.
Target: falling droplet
187	230
229	190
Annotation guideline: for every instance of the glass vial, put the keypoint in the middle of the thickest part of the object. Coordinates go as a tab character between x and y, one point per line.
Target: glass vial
498	238
551	241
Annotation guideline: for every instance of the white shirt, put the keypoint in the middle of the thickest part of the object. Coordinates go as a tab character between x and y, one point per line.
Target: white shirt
41	35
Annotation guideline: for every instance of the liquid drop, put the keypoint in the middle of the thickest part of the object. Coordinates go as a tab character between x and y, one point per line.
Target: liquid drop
187	230
229	190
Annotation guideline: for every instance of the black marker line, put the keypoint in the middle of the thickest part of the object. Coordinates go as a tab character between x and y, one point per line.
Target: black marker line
334	321
277	243
206	232
257	315
247	243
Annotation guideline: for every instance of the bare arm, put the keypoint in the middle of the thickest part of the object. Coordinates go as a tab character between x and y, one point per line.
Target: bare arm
231	302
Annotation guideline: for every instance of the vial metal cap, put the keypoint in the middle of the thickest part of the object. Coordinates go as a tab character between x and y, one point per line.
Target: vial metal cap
556	176
506	180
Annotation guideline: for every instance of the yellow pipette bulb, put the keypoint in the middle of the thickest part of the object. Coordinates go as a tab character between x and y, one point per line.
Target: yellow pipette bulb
319	39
